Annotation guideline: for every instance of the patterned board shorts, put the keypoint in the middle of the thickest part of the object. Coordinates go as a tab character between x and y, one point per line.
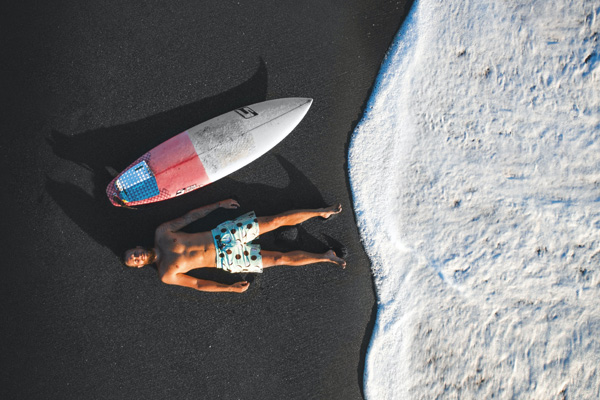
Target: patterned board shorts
232	240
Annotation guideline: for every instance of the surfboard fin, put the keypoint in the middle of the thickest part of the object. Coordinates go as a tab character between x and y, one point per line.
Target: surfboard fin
123	204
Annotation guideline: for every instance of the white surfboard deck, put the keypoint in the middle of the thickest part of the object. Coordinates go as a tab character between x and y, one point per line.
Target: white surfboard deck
228	142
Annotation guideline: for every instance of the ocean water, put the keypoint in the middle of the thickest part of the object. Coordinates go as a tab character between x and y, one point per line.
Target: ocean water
475	172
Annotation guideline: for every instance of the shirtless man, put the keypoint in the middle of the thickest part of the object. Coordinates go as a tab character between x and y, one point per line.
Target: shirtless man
227	247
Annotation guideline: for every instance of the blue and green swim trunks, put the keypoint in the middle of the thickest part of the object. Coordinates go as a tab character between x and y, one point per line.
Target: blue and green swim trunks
232	239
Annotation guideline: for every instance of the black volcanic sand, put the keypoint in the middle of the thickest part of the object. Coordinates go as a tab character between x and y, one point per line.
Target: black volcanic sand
89	88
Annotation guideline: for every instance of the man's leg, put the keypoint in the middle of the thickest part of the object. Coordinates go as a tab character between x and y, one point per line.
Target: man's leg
298	257
294	217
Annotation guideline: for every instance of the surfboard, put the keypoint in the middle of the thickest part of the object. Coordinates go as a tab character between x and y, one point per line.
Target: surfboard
207	152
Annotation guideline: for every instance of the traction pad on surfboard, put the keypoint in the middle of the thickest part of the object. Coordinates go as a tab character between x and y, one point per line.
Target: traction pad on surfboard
137	183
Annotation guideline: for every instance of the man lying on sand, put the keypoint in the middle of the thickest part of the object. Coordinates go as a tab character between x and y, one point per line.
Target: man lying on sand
227	247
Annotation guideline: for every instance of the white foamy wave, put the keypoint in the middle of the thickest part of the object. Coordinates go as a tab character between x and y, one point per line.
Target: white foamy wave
476	181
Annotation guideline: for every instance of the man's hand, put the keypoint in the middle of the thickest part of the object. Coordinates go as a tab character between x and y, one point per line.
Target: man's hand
229	204
239	287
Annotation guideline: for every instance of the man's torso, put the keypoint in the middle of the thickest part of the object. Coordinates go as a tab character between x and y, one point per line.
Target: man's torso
181	252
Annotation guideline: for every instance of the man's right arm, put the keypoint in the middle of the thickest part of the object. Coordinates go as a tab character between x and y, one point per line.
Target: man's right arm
205	285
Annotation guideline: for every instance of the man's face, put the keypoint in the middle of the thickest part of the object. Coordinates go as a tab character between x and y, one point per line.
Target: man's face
137	258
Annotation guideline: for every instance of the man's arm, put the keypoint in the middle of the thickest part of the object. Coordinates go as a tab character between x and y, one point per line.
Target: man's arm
204	285
198	213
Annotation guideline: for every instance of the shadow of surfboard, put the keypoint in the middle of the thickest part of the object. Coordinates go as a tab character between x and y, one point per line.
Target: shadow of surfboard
118	146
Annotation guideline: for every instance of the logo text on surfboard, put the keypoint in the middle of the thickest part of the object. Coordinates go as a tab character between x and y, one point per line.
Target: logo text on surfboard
246	112
185	190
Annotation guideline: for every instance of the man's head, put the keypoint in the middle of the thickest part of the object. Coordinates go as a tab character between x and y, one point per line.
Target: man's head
138	257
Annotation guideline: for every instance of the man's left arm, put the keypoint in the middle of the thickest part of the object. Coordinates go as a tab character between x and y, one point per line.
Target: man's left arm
198	213
204	285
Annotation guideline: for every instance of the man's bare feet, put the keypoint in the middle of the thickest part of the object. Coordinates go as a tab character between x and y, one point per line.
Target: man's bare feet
330	255
332	210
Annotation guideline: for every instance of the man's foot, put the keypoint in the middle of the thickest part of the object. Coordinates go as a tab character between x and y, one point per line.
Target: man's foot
332	210
330	255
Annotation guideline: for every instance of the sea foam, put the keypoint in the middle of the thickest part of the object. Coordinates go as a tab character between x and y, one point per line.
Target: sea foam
475	173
